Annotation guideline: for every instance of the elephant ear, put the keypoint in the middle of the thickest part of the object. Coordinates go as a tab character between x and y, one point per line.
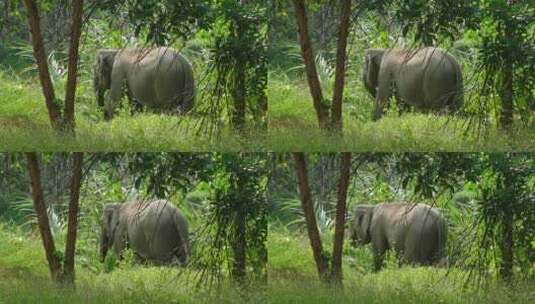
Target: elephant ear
372	63
110	219
102	69
361	223
365	222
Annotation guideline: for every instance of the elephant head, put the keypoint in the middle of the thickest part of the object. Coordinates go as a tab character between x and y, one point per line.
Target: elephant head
102	73
370	72
110	222
360	226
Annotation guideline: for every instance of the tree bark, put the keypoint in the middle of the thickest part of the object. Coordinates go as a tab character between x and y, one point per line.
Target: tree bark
506	115
506	267
70	93
5	25
54	263
239	94
310	218
238	115
54	112
70	246
338	245
507	94
339	82
322	111
239	246
507	243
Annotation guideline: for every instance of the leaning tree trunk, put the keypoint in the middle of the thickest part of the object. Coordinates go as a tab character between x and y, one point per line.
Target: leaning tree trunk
322	111
343	184
76	29
310	218
54	263
34	21
339	82
68	267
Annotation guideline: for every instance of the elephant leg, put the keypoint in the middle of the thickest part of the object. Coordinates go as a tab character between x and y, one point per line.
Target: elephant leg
119	246
378	261
116	92
135	105
379	251
383	94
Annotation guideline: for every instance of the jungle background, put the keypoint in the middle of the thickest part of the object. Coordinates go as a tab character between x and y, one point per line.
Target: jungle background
221	195
487	200
41	96
261	200
493	40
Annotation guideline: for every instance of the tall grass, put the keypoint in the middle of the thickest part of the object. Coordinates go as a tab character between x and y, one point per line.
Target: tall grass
293	126
24	126
293	279
24	278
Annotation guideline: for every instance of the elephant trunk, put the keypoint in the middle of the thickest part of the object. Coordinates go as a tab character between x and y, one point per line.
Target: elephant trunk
366	81
103	245
100	97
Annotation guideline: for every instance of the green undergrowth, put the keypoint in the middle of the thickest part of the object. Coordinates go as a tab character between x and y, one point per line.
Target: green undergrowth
24	125
24	278
293	126
293	279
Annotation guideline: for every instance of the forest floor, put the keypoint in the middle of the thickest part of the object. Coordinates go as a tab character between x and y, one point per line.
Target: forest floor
24	125
293	274
293	126
24	278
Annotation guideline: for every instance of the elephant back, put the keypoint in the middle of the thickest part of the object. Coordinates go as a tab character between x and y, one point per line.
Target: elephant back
153	232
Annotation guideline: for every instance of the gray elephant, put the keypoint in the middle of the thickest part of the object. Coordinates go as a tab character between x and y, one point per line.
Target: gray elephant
160	79
155	230
428	79
416	232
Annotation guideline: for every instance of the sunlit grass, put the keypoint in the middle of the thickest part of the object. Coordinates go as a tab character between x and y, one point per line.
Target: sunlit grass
24	125
293	279
24	278
293	126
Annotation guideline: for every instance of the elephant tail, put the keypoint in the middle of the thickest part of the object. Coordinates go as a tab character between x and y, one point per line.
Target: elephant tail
457	99
189	92
183	251
442	257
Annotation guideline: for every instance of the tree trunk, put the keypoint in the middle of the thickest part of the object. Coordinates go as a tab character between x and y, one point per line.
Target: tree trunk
336	107
76	28
239	244
5	29
322	111
68	267
239	94
507	94
39	53
238	115
506	115
310	218
54	263
338	245
506	267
